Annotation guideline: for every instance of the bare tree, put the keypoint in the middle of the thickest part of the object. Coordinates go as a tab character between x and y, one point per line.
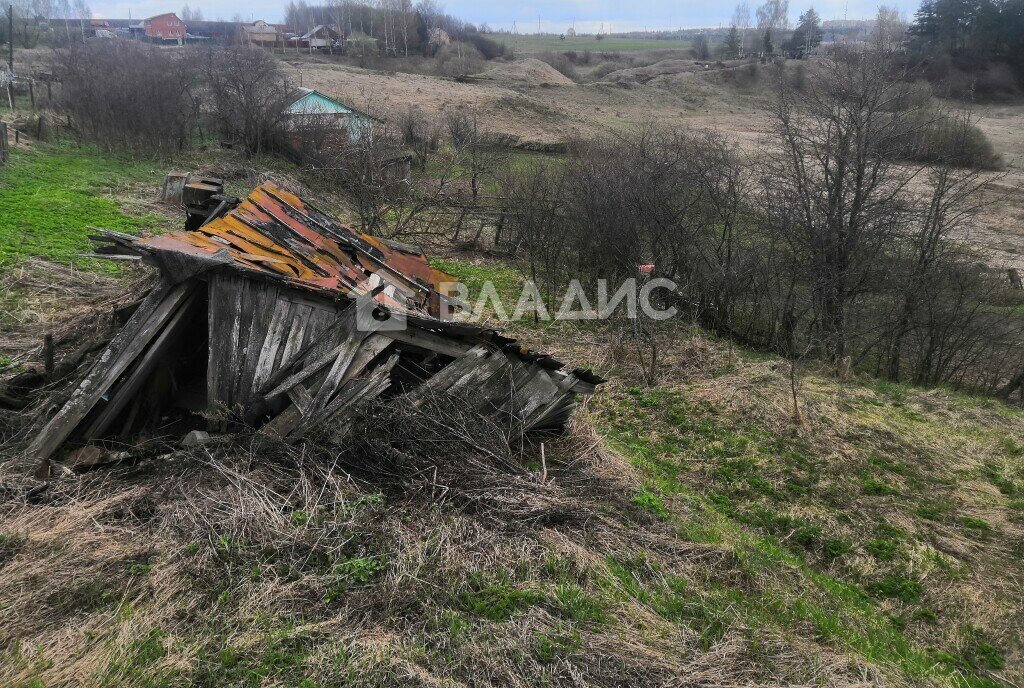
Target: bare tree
741	20
832	191
889	30
247	94
83	14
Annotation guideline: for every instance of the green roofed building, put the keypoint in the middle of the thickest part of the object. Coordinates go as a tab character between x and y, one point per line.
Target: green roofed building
308	107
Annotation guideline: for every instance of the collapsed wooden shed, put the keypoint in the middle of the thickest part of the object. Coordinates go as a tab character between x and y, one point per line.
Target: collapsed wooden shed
275	315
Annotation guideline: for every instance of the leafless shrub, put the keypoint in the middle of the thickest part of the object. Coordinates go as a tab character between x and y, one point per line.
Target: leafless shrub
420	135
372	173
459	59
129	95
247	94
950	139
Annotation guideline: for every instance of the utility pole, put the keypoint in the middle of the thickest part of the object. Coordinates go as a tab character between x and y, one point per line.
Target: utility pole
10	37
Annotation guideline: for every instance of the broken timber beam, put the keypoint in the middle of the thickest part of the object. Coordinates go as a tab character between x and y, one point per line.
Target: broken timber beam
145	323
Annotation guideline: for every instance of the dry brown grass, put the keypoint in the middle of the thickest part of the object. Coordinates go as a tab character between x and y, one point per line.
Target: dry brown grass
255	564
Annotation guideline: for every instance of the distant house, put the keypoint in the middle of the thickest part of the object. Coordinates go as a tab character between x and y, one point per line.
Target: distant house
163	28
320	37
312	107
260	33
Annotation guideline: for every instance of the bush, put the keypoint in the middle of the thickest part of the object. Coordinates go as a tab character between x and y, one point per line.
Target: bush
951	139
489	48
247	93
128	95
458	60
562	63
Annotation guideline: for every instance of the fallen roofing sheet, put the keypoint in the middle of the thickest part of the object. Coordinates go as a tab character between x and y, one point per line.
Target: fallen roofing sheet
276	233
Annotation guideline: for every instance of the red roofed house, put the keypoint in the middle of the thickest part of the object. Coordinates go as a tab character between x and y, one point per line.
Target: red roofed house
164	27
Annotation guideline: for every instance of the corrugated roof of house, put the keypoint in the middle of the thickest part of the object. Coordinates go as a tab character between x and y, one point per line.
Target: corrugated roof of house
324	104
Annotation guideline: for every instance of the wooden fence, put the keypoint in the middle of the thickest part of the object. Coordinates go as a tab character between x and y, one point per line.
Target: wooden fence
5	154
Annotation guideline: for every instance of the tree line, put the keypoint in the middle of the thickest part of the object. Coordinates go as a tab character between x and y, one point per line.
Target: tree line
842	237
400	26
972	33
828	242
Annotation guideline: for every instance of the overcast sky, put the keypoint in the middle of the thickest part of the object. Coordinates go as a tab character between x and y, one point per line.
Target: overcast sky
554	15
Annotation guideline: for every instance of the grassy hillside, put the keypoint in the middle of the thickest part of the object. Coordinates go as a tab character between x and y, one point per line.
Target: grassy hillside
50	195
687	528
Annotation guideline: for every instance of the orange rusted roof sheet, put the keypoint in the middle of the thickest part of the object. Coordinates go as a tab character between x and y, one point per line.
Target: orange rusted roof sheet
276	233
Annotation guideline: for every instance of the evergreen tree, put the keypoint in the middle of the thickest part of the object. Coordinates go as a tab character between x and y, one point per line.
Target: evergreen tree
976	31
807	34
733	45
767	44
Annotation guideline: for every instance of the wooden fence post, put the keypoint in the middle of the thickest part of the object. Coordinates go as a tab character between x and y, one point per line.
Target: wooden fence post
5	155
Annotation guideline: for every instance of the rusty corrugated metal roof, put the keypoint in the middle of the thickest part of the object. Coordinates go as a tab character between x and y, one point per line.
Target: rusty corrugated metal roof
276	233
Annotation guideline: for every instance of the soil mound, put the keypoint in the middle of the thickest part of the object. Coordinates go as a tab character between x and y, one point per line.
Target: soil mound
529	71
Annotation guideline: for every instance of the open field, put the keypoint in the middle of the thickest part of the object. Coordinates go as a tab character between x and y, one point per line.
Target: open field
544	110
537	43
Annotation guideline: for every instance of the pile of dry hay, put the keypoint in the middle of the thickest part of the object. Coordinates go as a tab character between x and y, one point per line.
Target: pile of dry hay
416	546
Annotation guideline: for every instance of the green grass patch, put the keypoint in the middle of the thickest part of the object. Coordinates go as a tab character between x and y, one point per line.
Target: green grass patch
507	282
896	587
574	604
873	487
497	601
975	524
51	194
651	502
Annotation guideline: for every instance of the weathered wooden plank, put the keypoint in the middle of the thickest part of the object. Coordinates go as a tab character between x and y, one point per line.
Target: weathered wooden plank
291	423
451	373
276	331
371	347
479	376
215	355
265	304
247	305
281	424
346	355
322	318
430	341
538	391
296	336
315	358
301	398
143	369
226	296
355	392
141	327
309	368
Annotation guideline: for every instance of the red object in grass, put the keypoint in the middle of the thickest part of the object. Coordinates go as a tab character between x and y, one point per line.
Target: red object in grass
646	269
